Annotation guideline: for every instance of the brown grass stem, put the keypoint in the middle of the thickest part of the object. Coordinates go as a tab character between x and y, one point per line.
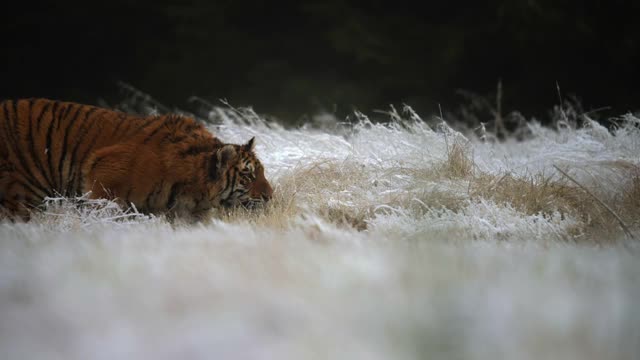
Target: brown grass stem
624	227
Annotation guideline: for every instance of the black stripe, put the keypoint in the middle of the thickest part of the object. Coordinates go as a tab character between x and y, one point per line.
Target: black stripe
230	184
147	122
233	181
58	186
165	137
53	118
19	154
155	131
158	190
60	120
34	152
125	120
42	193
5	165
194	150
96	161
25	187
121	121
65	142
173	195
58	108
67	110
10	125
80	176
226	185
56	104
6	126
14	107
176	139
153	195
126	199
31	103
147	201
82	132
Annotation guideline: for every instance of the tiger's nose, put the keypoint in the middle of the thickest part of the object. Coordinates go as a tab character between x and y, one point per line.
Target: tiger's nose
262	191
267	193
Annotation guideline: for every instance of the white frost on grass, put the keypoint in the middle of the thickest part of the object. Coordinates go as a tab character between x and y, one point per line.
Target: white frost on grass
481	220
66	214
436	271
311	291
574	148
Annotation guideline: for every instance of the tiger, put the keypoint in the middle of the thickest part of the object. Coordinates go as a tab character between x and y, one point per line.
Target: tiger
166	164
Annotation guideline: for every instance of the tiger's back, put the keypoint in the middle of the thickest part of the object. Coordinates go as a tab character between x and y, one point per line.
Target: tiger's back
50	148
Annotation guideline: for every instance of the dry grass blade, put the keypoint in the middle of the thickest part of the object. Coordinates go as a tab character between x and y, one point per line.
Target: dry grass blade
624	227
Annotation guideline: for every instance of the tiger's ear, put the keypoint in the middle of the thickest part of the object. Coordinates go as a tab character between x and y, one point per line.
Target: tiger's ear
250	145
219	161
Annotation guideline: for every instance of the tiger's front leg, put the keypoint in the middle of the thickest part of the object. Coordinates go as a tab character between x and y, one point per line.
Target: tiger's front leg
124	173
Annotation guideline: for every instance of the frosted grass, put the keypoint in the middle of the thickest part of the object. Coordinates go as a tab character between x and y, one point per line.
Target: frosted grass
377	246
312	291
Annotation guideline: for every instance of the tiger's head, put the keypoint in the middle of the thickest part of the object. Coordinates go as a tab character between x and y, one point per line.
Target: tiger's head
237	176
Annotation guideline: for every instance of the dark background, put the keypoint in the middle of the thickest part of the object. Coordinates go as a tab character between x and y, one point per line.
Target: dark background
298	58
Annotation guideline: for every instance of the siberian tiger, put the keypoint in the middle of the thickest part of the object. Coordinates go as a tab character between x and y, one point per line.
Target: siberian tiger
161	164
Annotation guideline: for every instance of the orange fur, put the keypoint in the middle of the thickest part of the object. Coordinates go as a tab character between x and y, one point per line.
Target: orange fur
165	163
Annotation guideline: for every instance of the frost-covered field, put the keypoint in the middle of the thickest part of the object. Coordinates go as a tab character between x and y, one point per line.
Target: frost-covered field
396	241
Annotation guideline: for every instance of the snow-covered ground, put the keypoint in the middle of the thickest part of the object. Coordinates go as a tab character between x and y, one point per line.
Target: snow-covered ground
384	241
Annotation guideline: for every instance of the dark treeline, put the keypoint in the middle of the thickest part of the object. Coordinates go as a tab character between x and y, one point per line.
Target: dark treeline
302	57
